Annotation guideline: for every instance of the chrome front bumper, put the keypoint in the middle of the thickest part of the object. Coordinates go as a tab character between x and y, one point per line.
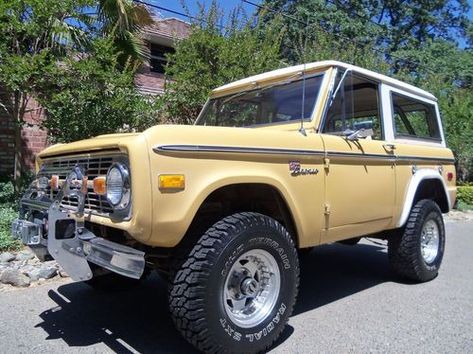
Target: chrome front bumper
72	245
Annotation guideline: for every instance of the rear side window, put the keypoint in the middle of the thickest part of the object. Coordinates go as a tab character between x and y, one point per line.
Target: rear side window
414	119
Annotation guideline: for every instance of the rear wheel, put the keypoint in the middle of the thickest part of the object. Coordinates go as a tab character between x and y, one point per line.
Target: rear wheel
236	290
416	251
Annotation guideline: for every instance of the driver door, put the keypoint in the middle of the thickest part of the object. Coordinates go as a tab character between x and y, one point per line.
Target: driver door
360	169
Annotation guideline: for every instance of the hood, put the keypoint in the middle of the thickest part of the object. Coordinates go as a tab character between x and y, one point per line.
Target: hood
225	136
101	142
283	137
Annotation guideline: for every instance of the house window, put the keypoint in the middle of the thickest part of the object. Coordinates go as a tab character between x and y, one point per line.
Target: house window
158	58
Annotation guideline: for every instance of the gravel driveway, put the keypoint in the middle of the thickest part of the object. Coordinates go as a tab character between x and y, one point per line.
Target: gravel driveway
348	302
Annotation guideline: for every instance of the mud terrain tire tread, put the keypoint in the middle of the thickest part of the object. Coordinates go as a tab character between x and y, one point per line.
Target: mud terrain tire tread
187	288
404	246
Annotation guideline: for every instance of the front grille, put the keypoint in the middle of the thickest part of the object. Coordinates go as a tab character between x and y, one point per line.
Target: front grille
94	166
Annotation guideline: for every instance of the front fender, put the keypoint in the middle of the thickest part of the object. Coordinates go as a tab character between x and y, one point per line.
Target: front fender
173	220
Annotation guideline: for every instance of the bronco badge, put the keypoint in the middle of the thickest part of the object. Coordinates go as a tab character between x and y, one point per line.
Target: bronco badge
296	169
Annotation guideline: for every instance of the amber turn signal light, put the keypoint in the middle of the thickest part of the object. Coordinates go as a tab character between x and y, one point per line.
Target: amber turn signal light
172	182
100	185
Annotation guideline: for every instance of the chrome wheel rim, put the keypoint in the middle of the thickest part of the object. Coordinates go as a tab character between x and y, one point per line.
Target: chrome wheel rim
430	241
252	288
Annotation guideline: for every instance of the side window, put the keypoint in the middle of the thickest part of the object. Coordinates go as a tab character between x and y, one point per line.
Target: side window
356	106
414	119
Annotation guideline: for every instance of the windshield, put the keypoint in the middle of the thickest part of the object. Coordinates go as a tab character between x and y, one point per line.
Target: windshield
278	103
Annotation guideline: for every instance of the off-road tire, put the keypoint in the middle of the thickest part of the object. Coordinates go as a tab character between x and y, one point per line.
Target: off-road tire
196	290
404	247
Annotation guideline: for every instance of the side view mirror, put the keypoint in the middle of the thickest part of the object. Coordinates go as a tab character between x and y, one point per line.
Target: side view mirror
354	135
358	134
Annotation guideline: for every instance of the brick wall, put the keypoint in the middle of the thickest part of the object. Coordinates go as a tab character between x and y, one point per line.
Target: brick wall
7	145
34	139
149	82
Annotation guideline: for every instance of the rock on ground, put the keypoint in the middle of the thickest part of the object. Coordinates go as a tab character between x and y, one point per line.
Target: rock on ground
23	268
24	255
14	277
6	257
44	272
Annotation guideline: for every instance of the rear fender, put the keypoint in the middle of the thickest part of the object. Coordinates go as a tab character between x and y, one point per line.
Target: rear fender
416	180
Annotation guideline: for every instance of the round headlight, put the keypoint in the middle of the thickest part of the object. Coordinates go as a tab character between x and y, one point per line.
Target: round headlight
118	186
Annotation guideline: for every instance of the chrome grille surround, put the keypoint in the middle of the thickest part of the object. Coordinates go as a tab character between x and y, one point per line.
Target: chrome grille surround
95	164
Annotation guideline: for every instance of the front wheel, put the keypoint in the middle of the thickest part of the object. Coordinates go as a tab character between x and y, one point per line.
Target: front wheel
416	251
236	290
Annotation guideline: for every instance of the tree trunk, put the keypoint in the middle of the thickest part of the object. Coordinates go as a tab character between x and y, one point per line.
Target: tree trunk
19	106
18	159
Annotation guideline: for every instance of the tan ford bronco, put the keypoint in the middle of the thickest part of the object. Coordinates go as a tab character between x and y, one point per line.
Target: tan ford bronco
275	163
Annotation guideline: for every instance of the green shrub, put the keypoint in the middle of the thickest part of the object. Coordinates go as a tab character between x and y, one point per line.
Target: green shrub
7	193
465	195
7	215
9	210
461	206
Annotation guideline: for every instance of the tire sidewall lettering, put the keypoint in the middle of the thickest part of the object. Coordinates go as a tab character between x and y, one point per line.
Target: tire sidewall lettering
247	240
272	244
231	259
254	336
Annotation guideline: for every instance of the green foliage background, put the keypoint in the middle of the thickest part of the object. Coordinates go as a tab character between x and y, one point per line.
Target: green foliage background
93	96
214	55
8	213
465	196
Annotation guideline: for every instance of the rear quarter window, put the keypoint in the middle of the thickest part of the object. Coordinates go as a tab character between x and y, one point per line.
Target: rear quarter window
414	119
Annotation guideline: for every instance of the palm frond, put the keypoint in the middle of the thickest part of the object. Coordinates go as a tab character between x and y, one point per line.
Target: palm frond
134	46
125	20
64	35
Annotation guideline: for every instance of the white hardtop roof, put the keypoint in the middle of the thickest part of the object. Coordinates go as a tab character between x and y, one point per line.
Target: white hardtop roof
285	72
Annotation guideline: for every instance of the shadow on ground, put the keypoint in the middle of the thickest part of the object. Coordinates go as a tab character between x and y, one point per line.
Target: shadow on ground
138	320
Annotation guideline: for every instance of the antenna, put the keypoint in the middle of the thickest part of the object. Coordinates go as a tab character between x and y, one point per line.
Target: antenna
302	129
